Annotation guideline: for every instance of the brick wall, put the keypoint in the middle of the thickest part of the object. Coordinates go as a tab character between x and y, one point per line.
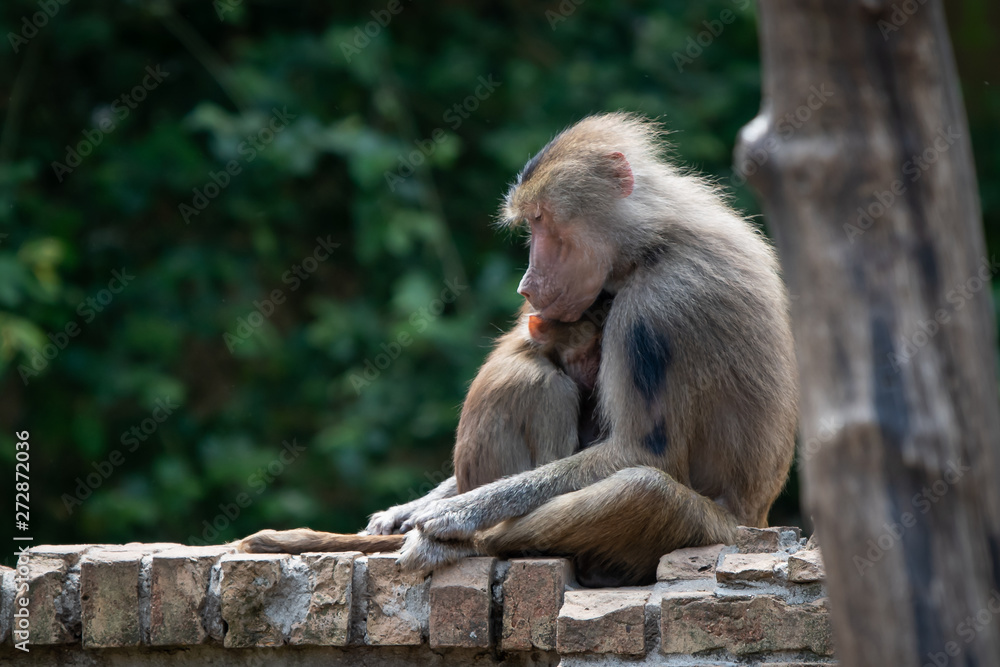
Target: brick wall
758	602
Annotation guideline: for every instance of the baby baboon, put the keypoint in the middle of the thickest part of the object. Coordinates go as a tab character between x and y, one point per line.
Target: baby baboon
530	402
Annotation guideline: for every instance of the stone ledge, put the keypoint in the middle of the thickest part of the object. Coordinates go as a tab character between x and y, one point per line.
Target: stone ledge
153	604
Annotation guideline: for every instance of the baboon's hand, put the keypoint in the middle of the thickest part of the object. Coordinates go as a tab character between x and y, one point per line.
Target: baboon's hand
391	521
399	519
449	519
421	553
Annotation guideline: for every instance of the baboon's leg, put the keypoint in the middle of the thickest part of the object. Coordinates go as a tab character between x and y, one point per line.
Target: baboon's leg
615	529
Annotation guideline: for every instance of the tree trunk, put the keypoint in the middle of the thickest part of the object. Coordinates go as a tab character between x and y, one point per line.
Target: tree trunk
862	157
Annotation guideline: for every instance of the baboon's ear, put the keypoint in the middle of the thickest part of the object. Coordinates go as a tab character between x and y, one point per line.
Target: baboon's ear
623	172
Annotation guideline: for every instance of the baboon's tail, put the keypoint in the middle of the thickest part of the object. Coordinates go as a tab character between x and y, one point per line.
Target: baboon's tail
302	540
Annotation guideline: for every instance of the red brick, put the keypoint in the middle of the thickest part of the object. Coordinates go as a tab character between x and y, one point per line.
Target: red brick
461	602
250	583
398	604
743	625
806	567
749	567
45	584
179	580
603	621
109	598
533	593
691	563
328	621
758	540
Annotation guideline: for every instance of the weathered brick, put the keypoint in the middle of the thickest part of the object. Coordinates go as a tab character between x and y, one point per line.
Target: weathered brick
251	583
758	540
328	619
53	602
743	626
603	621
460	595
691	563
109	598
398	603
806	567
533	593
749	567
179	580
71	553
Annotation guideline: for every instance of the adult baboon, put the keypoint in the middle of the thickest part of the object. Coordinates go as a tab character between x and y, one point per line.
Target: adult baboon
697	382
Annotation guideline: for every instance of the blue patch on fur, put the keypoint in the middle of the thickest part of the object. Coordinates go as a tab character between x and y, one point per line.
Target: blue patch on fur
656	440
649	357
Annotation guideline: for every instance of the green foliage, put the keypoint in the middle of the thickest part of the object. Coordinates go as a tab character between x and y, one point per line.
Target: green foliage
181	273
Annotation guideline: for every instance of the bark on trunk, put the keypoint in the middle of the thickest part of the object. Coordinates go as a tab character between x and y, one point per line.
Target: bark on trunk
861	155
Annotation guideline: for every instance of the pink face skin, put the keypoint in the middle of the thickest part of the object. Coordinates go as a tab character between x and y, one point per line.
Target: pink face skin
564	276
562	280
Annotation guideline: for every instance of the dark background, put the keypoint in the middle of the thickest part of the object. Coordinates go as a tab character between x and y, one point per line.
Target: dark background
182	332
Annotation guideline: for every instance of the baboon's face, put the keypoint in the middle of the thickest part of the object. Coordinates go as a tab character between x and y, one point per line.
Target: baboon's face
564	277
